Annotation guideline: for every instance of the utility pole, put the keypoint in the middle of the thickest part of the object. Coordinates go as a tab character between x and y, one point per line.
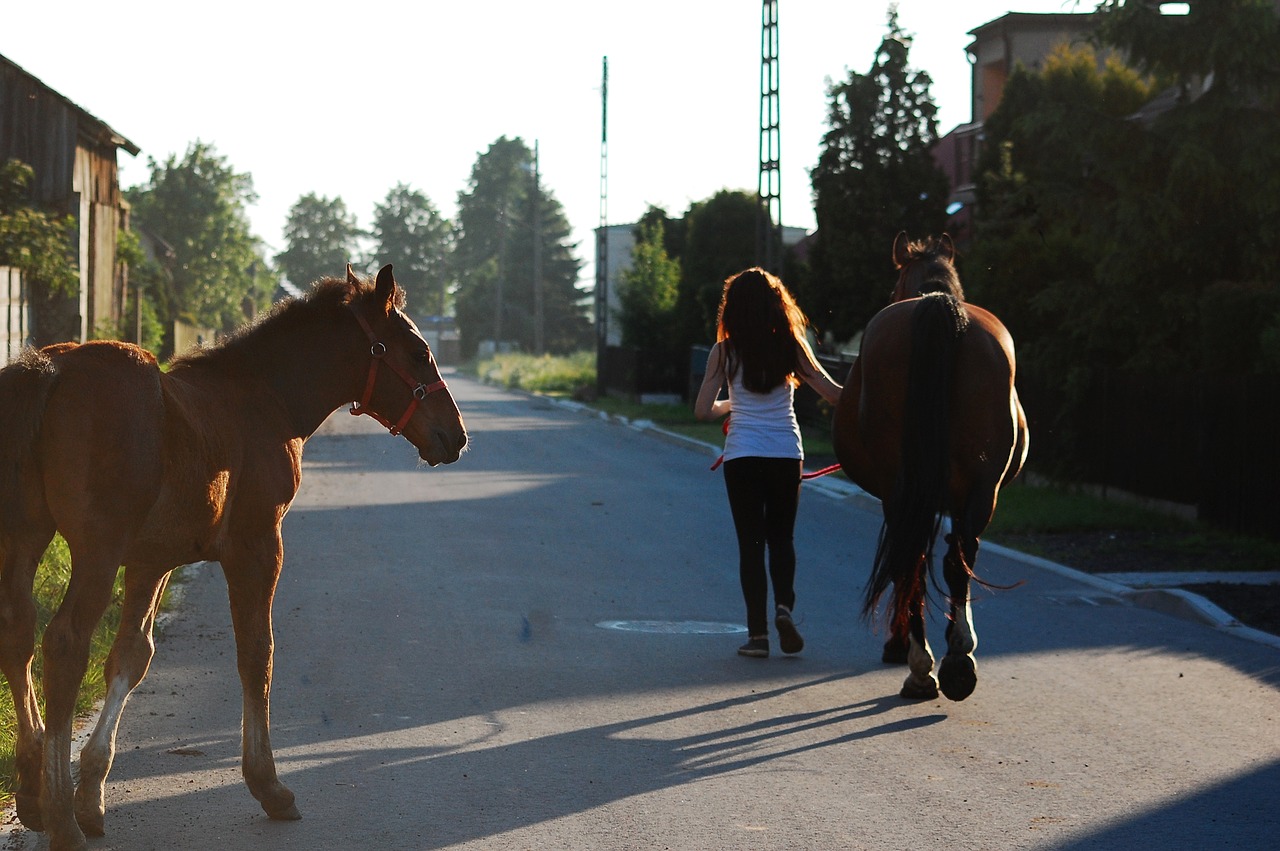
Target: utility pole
539	346
502	273
769	191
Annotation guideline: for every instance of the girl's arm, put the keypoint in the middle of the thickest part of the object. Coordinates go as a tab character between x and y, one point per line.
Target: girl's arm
707	406
814	375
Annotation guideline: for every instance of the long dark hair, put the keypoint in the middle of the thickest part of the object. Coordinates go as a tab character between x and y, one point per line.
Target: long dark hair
761	327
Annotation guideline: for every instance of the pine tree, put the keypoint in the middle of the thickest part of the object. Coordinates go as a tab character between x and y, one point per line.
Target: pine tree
875	177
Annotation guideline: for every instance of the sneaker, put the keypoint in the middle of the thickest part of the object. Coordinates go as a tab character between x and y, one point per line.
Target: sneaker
788	636
757	648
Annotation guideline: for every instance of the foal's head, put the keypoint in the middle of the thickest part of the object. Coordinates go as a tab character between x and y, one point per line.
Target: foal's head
403	389
925	266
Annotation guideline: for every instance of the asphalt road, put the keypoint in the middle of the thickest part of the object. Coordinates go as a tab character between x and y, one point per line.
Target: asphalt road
449	675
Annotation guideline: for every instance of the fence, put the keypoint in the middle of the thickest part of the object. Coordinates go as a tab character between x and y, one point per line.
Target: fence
15	315
810	409
1211	442
632	372
1205	441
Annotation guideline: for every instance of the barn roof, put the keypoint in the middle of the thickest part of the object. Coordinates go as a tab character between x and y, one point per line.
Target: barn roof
92	126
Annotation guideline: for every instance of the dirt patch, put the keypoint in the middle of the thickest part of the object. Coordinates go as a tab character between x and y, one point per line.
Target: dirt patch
1257	606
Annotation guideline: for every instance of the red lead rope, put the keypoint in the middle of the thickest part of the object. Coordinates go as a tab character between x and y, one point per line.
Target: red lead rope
813	475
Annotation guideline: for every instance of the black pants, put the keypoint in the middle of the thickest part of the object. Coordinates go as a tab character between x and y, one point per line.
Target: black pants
763	496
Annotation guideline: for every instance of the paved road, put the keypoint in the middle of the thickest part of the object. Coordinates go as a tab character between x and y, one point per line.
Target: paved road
443	679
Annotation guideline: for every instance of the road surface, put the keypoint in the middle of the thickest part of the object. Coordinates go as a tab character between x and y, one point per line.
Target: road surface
534	648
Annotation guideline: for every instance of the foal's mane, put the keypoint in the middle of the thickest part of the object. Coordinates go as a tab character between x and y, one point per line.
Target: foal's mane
328	297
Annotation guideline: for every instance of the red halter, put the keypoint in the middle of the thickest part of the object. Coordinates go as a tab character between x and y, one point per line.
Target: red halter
420	391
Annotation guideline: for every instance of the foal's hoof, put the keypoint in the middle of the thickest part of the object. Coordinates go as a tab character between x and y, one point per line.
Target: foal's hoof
92	823
958	676
28	807
285	813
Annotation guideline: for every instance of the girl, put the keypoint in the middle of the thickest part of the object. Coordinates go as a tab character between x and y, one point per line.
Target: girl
762	354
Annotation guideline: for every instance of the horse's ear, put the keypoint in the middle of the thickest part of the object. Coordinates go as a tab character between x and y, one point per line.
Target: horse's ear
900	257
351	276
384	292
948	247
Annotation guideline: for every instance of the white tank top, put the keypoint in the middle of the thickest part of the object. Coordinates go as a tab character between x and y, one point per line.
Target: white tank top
762	425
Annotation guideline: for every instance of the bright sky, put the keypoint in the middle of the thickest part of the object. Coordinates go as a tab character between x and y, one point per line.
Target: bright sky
347	100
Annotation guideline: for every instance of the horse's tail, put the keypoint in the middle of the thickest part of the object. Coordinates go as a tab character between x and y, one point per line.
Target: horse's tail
905	551
24	389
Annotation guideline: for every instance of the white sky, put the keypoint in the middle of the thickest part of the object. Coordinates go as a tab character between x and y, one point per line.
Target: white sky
347	100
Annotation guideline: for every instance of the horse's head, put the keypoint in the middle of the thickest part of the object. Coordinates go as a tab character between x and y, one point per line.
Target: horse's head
408	397
925	266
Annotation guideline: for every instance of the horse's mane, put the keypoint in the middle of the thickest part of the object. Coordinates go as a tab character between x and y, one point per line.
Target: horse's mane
327	297
928	262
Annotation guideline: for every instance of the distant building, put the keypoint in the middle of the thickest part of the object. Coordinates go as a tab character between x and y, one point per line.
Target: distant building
998	47
614	243
74	158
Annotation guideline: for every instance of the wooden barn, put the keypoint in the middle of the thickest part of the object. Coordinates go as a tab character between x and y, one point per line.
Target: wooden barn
74	158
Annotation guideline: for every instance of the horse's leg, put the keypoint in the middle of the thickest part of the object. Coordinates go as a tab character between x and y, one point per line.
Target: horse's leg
252	570
126	665
919	684
66	656
897	646
958	672
19	557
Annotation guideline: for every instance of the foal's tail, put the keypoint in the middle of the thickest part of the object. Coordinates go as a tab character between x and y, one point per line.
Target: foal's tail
24	390
905	551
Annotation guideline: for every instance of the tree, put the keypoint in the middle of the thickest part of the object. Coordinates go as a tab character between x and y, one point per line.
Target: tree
647	298
1058	158
720	241
875	177
1202	201
141	320
197	205
322	238
41	245
501	215
409	233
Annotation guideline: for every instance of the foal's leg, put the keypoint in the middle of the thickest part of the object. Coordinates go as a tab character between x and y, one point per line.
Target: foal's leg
19	556
252	570
125	667
66	656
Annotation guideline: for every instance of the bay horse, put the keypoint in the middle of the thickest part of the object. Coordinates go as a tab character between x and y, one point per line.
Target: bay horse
929	422
152	470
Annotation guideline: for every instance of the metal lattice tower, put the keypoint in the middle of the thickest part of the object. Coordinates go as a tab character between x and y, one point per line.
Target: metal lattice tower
602	233
769	190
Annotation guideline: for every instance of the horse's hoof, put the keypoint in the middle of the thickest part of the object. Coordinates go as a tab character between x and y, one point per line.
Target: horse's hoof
914	689
895	652
28	807
958	676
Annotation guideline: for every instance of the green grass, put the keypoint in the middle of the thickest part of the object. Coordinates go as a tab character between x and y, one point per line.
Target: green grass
1041	509
539	374
50	582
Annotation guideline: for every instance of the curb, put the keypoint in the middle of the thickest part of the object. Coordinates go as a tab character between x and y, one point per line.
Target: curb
1175	602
